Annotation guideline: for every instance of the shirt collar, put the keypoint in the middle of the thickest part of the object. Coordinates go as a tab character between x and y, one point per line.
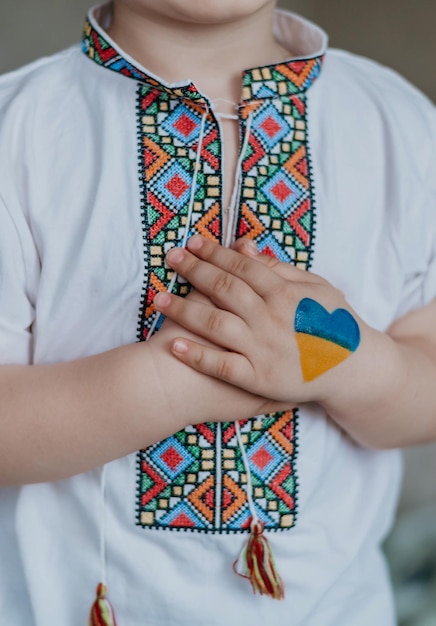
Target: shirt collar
283	79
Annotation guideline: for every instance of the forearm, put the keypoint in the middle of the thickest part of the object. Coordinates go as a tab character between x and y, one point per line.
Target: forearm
64	419
59	420
395	405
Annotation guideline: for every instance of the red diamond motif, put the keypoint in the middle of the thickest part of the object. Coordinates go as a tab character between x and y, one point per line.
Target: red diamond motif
185	125
281	191
171	458
270	126
261	458
177	186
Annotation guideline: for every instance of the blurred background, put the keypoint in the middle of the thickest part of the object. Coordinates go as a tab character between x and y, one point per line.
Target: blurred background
398	33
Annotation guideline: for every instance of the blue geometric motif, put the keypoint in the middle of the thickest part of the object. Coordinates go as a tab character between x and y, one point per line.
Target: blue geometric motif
270	126
184	124
283	192
181	457
173	186
267	458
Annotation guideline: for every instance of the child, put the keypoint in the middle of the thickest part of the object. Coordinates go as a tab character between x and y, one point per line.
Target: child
324	162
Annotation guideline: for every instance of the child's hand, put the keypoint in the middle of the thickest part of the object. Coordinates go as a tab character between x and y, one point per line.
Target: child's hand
193	397
280	326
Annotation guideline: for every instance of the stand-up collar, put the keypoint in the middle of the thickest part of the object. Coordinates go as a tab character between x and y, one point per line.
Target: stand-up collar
277	80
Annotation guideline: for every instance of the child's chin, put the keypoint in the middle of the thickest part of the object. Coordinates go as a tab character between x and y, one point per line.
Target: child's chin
210	11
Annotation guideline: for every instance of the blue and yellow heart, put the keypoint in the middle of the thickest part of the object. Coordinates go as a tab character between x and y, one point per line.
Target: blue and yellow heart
324	339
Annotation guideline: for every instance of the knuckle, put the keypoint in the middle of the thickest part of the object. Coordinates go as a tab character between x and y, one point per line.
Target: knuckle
224	370
198	358
191	266
238	265
214	321
283	290
223	283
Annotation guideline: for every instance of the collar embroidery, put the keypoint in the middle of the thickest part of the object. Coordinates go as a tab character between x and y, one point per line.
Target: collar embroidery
195	479
270	81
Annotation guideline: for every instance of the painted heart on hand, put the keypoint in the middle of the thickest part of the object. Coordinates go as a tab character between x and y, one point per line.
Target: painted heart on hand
324	339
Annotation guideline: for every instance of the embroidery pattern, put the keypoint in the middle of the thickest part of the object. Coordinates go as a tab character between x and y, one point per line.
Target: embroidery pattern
169	134
196	479
283	79
277	205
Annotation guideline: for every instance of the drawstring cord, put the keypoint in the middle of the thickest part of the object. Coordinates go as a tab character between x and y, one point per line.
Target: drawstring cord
256	561
103	525
238	183
249	490
101	613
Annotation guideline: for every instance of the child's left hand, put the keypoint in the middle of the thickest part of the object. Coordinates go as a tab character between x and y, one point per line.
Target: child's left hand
281	326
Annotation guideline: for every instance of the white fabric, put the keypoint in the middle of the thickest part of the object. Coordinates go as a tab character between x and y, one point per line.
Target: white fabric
71	268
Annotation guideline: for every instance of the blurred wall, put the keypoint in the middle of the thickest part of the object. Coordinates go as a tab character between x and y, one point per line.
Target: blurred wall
399	33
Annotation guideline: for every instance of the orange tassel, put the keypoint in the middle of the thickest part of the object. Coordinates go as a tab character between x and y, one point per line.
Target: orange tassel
101	613
256	562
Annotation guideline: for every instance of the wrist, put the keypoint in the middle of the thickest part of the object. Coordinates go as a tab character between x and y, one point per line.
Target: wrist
367	390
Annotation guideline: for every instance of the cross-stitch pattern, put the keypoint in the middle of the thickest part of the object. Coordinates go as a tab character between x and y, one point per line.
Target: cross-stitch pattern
195	479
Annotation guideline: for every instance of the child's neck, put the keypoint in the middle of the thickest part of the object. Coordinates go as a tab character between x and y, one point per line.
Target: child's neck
212	56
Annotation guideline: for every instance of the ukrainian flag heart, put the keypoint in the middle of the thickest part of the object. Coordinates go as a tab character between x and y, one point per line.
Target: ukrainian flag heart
324	339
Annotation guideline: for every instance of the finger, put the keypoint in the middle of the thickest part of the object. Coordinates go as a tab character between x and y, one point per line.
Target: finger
224	289
226	366
259	277
247	247
217	326
197	296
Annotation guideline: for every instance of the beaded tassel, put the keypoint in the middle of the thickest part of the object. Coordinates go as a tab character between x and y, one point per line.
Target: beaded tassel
101	611
256	562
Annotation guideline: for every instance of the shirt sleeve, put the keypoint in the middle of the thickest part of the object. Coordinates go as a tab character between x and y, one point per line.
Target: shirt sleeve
429	278
17	288
419	247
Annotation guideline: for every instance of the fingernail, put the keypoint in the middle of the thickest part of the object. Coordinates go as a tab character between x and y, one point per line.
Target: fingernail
180	346
161	300
195	243
175	255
